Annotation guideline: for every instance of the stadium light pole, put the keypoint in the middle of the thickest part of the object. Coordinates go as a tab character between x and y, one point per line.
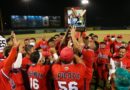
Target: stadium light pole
1	21
84	4
27	5
26	1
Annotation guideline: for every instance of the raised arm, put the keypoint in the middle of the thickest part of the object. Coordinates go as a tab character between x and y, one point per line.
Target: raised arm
63	42
80	40
12	56
18	62
54	54
75	42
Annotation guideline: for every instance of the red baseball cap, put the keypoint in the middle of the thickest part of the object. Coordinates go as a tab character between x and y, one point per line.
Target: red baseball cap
67	54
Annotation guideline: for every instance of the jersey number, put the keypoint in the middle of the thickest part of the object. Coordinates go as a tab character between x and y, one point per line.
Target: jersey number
34	83
71	85
2	43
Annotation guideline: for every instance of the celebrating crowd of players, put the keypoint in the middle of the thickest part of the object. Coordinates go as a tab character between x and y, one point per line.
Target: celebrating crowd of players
66	61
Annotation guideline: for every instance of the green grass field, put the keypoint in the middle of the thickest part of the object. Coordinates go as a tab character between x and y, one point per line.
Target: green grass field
100	33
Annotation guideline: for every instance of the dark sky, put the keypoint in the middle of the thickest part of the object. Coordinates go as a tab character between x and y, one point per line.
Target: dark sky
99	12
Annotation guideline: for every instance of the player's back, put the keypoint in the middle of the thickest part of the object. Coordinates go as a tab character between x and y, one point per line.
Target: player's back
69	77
37	77
103	56
88	57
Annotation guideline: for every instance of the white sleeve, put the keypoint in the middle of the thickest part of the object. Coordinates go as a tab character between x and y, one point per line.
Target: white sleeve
113	69
2	43
18	62
55	56
112	63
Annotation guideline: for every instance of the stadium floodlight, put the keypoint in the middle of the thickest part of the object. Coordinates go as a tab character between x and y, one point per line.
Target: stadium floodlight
84	2
26	0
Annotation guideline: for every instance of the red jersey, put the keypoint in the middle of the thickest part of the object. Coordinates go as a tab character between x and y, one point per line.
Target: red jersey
42	44
103	56
25	62
116	46
37	76
18	80
126	60
6	83
69	77
108	44
1	55
46	53
128	48
88	58
2	64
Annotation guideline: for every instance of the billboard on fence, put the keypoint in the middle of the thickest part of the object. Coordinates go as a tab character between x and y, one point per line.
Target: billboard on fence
55	21
18	21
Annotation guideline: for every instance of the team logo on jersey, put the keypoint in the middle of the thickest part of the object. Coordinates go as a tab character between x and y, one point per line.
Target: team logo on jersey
66	68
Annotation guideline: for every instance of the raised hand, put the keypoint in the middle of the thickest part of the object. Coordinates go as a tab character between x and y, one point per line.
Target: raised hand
12	33
15	42
52	50
73	29
20	47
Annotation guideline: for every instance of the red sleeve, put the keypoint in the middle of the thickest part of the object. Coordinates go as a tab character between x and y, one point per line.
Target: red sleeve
83	51
25	62
88	53
2	64
10	60
110	54
54	68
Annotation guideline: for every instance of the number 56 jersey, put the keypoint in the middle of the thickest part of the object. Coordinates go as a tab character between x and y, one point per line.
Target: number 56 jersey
69	77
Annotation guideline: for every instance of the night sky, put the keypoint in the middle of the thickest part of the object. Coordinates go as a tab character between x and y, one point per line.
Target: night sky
107	13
